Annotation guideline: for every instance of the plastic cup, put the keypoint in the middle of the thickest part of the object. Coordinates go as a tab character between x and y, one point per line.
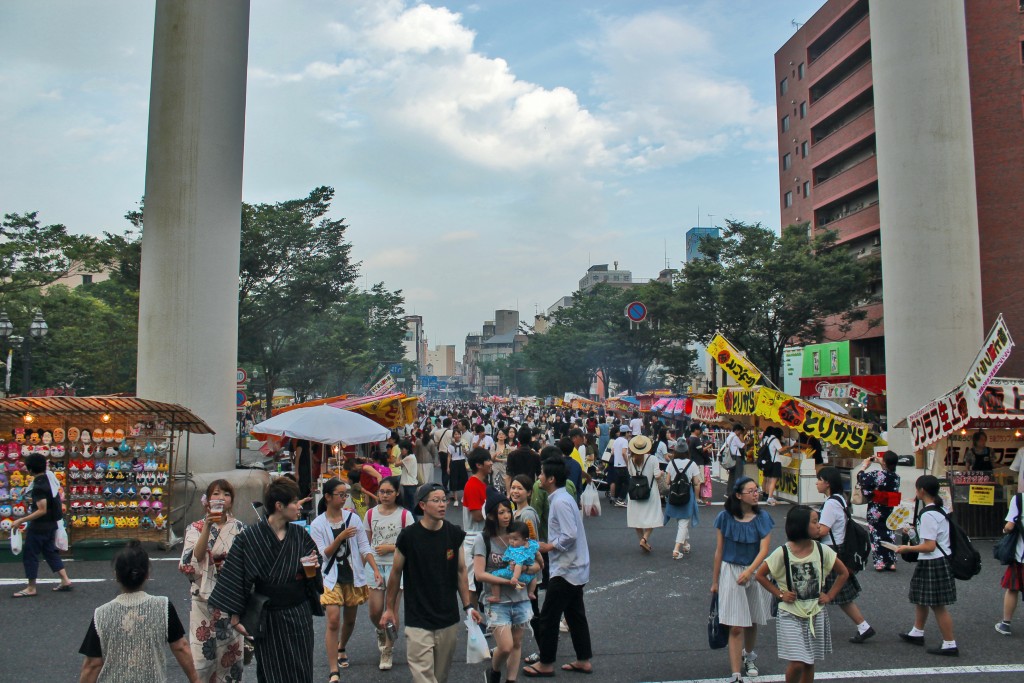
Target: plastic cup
217	508
309	566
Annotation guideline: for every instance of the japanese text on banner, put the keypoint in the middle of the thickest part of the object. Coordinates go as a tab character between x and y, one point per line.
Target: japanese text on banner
734	401
941	417
993	354
813	421
704	410
739	368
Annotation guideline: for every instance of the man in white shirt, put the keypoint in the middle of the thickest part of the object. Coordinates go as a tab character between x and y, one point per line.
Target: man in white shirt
736	445
481	439
442	437
618	477
636	425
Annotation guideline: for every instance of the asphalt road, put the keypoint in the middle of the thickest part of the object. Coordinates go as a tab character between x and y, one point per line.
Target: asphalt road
647	616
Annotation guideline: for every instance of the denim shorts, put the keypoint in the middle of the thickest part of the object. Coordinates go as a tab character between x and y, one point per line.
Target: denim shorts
509	613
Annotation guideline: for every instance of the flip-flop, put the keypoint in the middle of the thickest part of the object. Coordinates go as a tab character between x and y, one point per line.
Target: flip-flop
24	594
531	672
64	588
342	659
574	668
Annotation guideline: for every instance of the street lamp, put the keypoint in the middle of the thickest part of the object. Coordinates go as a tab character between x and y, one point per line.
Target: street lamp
37	329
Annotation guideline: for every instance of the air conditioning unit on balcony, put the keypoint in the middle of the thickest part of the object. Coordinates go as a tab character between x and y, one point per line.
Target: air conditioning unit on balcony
861	365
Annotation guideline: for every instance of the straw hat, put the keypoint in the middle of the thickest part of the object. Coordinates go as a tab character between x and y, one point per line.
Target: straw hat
640	445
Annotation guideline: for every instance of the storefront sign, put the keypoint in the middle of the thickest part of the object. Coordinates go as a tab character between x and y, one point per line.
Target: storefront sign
1003	444
969	478
982	495
1002	398
620	405
733	401
939	418
704	410
385	385
790	481
993	354
739	368
847	390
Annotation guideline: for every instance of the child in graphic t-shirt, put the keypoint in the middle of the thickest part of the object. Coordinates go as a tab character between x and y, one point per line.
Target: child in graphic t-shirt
520	555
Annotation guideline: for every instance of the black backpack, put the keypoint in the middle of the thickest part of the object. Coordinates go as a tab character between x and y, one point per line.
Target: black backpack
764	454
679	489
856	547
964	560
639	484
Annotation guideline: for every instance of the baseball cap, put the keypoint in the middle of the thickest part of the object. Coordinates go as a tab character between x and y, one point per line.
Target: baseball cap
425	490
624	427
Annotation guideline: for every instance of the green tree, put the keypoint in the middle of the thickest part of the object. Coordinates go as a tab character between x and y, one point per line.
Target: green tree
33	255
765	291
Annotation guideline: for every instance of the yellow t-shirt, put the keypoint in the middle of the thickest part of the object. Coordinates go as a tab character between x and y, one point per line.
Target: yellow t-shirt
808	575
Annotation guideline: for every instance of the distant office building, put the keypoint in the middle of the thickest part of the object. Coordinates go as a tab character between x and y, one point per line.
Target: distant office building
414	342
506	321
442	360
601	274
693	238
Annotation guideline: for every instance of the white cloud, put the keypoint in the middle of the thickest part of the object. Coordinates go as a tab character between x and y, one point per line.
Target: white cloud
460	236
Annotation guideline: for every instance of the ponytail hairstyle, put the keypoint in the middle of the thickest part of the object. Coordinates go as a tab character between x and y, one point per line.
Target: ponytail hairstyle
131	566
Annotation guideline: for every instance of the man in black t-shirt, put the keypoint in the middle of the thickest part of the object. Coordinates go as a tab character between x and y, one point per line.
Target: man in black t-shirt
42	529
429	558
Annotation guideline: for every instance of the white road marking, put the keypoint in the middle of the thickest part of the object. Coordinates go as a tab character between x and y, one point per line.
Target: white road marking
620	582
881	673
19	582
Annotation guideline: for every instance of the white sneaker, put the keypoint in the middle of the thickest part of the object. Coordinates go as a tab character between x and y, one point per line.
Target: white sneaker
385	659
749	668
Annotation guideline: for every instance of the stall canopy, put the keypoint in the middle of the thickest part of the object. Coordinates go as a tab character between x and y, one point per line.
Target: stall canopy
1000	405
323	424
806	418
390	410
182	418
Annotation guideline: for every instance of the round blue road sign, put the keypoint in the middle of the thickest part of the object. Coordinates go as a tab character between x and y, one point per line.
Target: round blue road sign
636	311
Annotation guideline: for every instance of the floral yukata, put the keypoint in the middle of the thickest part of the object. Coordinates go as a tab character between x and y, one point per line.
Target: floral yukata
882	491
216	646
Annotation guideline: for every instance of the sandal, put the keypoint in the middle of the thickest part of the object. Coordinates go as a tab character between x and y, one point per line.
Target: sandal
533	672
24	594
335	677
676	555
644	545
342	659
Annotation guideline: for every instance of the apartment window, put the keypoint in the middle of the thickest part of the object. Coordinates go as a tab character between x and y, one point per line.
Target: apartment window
87	279
804	147
800	70
803	109
785	123
787	200
783	86
787	161
807	188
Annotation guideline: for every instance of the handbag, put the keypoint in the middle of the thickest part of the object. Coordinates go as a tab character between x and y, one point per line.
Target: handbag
255	618
856	492
725	457
1006	549
639	484
718	637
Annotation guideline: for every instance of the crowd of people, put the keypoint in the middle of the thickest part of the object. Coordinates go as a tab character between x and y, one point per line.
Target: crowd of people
514	557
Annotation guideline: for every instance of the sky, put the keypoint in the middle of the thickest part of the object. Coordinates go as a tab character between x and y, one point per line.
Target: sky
484	154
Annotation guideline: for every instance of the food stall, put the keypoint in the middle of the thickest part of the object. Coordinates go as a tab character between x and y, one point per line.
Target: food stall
115	457
760	407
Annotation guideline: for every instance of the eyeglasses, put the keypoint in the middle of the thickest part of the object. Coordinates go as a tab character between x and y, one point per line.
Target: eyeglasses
747	493
343	496
386	492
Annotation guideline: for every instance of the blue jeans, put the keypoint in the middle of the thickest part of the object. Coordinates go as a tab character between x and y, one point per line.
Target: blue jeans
36	544
509	613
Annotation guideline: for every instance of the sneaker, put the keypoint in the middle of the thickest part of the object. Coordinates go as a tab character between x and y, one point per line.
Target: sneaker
619	503
1003	628
861	637
382	640
385	659
771	501
749	668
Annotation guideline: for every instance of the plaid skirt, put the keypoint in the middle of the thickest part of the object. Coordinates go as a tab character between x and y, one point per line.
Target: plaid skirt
848	593
932	583
1013	578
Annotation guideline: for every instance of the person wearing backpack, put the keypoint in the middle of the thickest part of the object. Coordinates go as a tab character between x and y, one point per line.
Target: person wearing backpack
833	527
932	585
770	453
681	502
1013	579
799	566
643	510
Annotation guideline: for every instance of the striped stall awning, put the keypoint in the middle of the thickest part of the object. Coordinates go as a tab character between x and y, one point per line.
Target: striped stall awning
59	406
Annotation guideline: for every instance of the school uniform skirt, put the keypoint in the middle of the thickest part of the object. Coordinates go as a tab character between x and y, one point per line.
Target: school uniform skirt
1013	577
795	641
932	583
848	593
741	605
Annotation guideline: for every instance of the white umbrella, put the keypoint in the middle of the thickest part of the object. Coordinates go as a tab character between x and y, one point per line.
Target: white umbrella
324	424
830	405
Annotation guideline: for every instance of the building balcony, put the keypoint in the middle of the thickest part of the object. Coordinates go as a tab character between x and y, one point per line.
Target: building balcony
846	182
854	224
842	138
842	92
858	35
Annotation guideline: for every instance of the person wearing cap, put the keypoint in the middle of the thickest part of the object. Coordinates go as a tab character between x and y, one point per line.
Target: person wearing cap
429	559
643	515
680	465
617	477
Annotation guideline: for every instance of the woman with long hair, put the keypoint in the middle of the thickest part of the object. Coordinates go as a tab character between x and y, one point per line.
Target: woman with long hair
217	649
509	616
499	460
881	488
743	540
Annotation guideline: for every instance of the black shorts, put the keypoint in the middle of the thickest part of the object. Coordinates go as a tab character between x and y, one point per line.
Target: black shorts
773	470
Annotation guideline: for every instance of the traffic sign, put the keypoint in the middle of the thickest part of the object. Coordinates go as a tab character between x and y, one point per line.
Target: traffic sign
395	368
240	398
636	311
241	376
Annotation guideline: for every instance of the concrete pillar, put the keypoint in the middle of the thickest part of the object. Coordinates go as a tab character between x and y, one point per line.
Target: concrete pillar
929	219
188	313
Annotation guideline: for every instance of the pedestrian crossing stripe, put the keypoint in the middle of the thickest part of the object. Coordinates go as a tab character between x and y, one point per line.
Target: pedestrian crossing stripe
880	673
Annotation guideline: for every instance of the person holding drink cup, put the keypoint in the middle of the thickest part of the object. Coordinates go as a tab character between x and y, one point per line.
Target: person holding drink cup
341	538
216	648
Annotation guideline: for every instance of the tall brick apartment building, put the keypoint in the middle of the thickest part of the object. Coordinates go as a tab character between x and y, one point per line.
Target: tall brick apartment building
828	168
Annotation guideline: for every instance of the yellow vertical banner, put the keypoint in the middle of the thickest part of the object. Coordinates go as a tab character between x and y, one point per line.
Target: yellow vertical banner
732	361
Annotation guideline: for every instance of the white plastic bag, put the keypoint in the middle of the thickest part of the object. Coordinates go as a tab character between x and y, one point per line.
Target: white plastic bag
16	541
61	539
476	645
591	502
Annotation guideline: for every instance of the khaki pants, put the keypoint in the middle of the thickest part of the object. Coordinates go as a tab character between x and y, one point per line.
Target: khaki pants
429	653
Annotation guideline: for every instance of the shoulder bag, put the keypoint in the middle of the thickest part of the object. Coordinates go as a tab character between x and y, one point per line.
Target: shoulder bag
1006	549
